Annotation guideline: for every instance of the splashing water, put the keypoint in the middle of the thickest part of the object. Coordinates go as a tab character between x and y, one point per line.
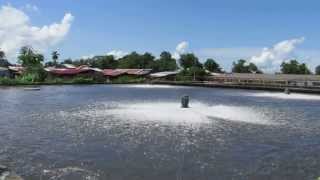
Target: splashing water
151	86
171	112
70	173
293	96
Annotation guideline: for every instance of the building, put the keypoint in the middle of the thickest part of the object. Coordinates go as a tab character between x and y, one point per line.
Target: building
267	79
113	73
166	75
71	71
5	72
16	70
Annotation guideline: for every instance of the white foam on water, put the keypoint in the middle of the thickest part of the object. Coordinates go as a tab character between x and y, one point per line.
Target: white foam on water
293	96
171	112
151	86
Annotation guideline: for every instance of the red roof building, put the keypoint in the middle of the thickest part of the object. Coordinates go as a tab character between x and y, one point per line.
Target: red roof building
119	72
72	71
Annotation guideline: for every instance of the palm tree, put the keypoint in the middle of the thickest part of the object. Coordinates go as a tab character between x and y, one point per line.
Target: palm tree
55	57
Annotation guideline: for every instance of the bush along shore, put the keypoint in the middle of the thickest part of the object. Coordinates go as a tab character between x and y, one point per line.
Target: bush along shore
107	69
4	81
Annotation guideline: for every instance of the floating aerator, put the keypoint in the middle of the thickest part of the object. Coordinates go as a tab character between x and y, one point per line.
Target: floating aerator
185	102
287	91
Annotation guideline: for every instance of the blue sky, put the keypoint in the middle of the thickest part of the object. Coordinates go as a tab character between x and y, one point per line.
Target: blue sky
225	30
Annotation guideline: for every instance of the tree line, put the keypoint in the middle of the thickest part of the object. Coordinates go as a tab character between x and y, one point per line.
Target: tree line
188	62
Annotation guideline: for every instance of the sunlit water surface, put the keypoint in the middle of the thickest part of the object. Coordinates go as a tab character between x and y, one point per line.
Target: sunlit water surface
140	132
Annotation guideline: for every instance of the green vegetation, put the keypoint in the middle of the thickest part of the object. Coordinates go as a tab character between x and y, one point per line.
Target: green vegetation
104	62
3	61
294	67
189	60
128	80
83	80
192	68
242	66
9	81
32	61
317	70
133	60
212	66
165	63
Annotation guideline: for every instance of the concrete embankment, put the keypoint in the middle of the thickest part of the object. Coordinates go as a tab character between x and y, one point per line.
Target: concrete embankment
296	89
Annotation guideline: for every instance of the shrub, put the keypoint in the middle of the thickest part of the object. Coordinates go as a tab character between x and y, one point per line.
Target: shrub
128	79
82	80
7	81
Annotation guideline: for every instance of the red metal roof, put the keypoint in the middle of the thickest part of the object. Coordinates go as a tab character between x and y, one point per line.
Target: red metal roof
71	70
113	72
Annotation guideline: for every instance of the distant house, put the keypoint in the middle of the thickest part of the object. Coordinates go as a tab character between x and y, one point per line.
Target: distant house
267	79
16	70
5	72
166	75
112	73
70	66
72	71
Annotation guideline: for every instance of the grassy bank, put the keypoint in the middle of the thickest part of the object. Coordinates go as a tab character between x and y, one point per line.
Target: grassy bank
77	80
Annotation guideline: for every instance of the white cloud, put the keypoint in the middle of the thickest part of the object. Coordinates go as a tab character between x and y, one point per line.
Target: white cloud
31	7
270	59
180	49
16	31
117	53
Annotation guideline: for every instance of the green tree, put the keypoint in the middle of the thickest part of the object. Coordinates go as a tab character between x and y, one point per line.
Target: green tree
32	62
189	60
2	54
55	56
104	62
28	58
68	61
294	67
3	61
130	61
317	70
241	66
212	66
165	62
192	74
135	60
147	61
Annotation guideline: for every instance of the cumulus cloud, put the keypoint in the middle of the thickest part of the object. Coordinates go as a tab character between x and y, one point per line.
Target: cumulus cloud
180	49
117	53
270	59
16	31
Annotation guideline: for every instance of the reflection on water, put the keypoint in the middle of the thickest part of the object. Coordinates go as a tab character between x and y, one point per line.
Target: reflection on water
140	132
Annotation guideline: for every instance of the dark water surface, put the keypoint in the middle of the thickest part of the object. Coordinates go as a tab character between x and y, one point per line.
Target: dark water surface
140	132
